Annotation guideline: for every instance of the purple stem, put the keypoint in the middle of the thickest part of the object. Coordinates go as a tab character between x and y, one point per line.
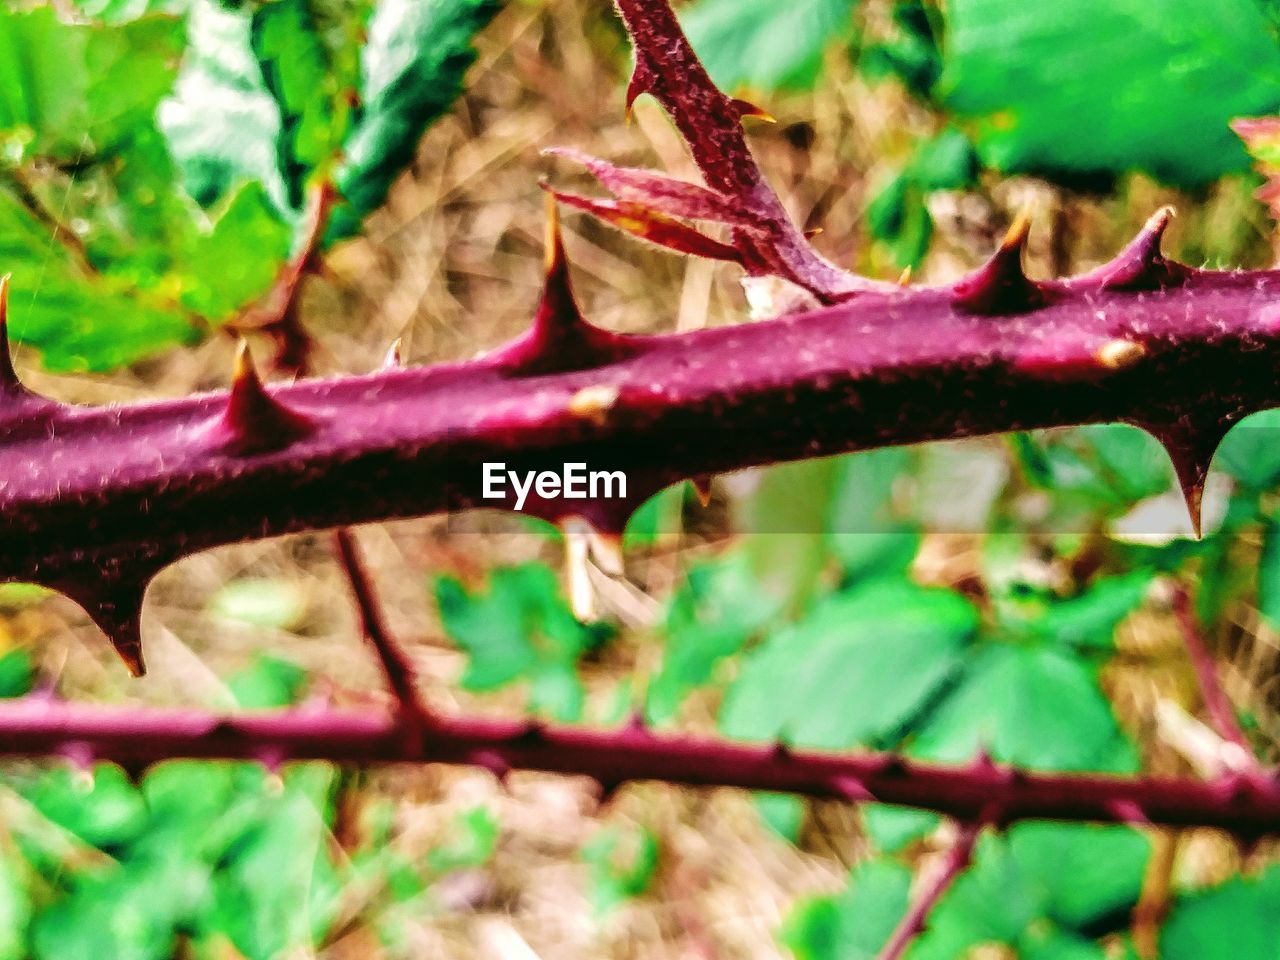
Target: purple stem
969	793
913	923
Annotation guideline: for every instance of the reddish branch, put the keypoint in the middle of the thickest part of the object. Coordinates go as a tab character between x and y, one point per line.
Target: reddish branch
954	863
969	793
1222	715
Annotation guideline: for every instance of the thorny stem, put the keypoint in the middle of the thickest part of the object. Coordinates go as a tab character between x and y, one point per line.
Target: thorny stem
968	793
954	863
1221	714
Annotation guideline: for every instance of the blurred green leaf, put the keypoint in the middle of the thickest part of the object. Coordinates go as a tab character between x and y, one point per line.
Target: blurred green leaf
1034	707
475	837
1250	451
1232	921
854	671
1154	84
855	924
17	674
1089	621
891	828
898	218
912	54
622	866
718	608
782	812
105	810
15	907
520	628
762	45
1269	572
270	682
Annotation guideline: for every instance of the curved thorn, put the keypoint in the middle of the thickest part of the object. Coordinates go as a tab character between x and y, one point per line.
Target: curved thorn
1000	286
702	487
393	358
1141	265
254	421
115	605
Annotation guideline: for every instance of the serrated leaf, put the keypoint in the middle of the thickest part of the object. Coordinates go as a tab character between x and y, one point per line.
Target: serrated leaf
1232	921
1034	707
717	610
764	46
520	628
1154	84
854	671
411	71
855	924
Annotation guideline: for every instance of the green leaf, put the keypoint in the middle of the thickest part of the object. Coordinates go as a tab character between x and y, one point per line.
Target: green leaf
855	671
898	217
1233	921
912	55
945	161
17	674
1250	451
270	682
411	71
1269	572
1034	707
72	92
221	124
279	889
106	811
782	812
717	610
15	907
474	839
1089	621
855	924
1153	84
275	604
763	45
891	828
622	866
521	628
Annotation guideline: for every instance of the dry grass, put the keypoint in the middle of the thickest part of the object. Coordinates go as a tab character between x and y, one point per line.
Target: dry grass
453	265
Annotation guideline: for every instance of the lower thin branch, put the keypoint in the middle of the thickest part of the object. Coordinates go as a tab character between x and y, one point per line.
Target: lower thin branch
1246	806
956	861
1221	714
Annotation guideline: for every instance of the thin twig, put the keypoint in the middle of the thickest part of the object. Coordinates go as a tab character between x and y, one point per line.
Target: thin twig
1220	712
956	861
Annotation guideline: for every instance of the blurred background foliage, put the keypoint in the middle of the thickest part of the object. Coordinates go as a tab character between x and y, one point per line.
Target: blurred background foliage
161	165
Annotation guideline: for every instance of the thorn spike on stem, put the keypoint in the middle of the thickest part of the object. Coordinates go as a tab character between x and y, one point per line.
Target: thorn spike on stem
116	607
1000	286
393	359
254	421
702	487
1141	265
748	109
9	383
1190	447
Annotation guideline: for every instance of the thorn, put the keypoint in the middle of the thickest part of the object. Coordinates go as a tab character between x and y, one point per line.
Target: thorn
560	338
608	791
1190	447
638	84
1141	265
9	382
393	360
904	277
813	232
1119	354
636	723
80	755
495	763
1000	286
271	758
852	789
746	108
702	487
1128	811
117	610
254	421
